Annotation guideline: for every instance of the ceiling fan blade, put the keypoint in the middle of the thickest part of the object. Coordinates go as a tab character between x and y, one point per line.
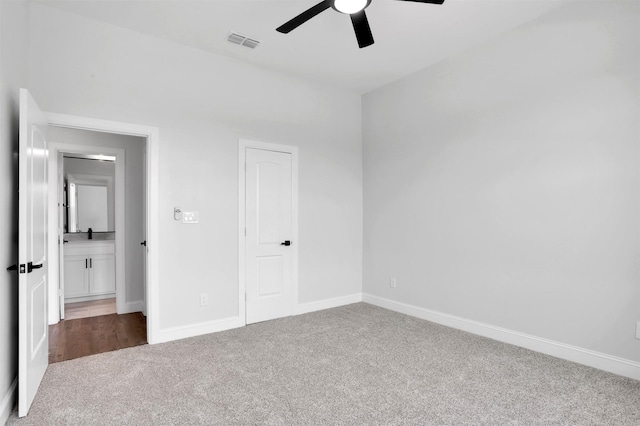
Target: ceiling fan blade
426	1
304	17
362	29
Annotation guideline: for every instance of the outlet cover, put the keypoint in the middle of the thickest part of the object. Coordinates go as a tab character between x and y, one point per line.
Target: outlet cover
204	299
392	282
638	330
190	217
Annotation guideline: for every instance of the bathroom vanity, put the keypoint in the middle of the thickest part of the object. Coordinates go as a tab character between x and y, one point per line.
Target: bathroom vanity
89	270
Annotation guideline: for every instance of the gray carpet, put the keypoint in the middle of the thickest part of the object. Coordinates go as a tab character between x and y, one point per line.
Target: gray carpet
356	364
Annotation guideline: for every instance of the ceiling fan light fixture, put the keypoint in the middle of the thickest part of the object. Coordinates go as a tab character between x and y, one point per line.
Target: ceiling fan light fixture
353	8
350	7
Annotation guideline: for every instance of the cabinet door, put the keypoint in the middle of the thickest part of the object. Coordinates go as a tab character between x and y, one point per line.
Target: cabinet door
103	274
76	276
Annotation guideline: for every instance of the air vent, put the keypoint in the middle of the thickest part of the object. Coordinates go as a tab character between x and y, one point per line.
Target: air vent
245	41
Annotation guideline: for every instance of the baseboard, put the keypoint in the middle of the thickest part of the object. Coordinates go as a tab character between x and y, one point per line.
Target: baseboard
304	308
612	364
192	330
137	306
8	402
183	332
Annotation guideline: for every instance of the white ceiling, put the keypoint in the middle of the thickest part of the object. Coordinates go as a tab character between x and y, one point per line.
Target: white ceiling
408	36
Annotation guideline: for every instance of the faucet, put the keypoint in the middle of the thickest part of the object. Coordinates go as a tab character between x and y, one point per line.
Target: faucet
90	234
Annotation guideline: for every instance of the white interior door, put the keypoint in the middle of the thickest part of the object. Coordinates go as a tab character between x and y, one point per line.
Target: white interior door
145	230
269	257
61	212
33	338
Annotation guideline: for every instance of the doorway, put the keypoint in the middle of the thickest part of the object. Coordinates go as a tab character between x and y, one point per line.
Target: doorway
124	226
98	204
151	175
87	216
151	216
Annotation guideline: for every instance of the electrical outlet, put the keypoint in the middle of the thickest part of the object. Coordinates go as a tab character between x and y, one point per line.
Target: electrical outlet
204	299
638	330
177	213
392	282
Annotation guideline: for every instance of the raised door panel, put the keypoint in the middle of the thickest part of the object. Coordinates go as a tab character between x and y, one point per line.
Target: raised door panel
76	276
103	274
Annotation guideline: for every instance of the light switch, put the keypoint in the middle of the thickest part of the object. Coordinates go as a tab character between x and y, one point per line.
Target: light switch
190	217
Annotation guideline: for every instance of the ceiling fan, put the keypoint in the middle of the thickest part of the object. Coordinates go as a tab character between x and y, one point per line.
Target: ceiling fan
353	8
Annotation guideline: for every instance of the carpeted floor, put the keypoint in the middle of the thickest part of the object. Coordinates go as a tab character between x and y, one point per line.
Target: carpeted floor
356	364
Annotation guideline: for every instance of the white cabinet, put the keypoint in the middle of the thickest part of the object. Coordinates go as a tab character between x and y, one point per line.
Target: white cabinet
89	270
76	276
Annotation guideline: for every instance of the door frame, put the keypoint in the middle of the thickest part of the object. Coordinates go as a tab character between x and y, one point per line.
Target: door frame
152	135
55	233
243	144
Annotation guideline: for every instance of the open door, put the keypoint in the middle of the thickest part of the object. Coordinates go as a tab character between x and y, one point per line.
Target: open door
61	241
33	337
145	225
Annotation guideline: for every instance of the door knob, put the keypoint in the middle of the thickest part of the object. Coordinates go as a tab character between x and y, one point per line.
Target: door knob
286	243
31	266
144	243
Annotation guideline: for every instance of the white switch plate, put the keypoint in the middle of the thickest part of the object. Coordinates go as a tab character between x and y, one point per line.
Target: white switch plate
190	217
392	282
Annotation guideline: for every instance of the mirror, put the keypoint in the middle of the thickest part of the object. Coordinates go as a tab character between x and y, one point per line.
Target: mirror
88	207
89	197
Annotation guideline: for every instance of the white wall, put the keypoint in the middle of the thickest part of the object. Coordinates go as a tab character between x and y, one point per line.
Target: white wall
203	103
134	194
502	185
14	16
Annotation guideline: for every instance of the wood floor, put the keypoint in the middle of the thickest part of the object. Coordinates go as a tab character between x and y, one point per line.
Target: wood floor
90	309
75	338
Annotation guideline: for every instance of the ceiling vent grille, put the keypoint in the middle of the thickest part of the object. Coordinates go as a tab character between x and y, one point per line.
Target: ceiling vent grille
245	41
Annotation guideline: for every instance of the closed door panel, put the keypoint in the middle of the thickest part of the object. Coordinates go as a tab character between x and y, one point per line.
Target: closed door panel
269	262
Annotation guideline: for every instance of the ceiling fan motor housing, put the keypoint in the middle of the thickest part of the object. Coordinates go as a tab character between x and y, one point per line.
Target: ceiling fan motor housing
333	5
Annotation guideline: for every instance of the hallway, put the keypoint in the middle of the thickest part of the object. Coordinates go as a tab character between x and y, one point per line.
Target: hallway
75	338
